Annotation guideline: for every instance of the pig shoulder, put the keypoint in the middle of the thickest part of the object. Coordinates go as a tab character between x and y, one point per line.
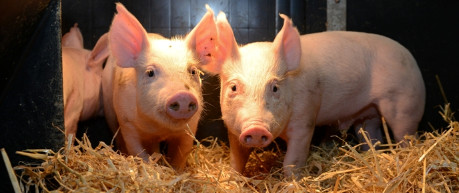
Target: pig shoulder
108	75
124	85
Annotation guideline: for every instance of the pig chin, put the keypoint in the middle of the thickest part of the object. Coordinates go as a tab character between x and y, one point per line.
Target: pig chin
158	115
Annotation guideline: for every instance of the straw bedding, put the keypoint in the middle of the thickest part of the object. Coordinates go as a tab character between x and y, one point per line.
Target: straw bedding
428	164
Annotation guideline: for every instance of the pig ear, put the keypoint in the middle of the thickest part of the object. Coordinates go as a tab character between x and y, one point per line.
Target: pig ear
202	40
227	45
287	44
99	53
127	37
73	38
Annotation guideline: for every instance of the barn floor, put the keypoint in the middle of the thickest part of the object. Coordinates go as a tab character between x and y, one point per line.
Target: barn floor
428	164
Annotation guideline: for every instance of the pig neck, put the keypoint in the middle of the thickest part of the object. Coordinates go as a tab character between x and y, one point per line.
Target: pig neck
100	111
91	96
101	102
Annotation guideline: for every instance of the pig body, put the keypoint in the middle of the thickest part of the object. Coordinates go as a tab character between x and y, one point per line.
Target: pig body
153	87
82	70
287	87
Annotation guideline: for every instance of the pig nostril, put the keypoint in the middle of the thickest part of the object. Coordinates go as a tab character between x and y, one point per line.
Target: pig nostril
264	138
174	106
248	138
192	106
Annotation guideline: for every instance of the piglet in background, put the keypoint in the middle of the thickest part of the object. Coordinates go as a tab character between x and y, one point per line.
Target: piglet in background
287	87
152	86
82	74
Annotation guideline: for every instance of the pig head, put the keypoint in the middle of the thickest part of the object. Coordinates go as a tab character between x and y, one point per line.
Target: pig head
152	86
82	71
287	87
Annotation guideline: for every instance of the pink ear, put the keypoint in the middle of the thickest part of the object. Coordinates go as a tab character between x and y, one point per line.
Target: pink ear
227	45
73	38
287	44
202	40
99	53
127	37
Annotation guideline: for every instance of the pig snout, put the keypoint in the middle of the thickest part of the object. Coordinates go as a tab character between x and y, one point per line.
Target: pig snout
182	105
256	137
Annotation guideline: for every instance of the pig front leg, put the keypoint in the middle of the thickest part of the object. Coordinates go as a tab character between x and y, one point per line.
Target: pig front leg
179	147
238	154
72	113
132	142
71	123
298	137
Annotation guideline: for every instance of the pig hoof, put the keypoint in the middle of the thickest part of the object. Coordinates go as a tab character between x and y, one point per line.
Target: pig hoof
182	105
256	137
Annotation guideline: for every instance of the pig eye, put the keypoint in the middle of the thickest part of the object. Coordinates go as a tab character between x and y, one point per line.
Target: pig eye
150	72
275	88
194	71
234	88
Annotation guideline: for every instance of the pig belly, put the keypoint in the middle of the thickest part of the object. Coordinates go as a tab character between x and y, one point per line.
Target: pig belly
345	121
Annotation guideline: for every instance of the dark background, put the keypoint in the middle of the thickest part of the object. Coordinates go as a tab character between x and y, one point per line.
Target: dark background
31	83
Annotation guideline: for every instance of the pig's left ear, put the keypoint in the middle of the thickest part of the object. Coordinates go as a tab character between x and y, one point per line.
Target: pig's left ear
287	44
73	38
202	40
99	53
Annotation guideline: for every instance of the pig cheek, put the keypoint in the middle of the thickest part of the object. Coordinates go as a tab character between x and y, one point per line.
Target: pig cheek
279	109
149	98
230	109
196	86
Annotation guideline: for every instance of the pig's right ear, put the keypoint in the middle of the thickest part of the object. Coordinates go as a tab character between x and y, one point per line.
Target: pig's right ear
226	44
127	37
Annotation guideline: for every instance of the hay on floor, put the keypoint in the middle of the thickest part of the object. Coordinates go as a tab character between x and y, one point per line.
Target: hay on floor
428	164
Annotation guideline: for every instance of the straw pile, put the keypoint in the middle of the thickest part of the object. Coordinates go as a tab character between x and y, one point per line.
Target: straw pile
427	164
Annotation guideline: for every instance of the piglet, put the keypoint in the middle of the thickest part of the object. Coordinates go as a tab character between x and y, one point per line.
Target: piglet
152	86
82	71
287	87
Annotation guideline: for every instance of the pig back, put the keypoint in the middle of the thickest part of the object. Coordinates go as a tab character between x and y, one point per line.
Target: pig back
351	70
